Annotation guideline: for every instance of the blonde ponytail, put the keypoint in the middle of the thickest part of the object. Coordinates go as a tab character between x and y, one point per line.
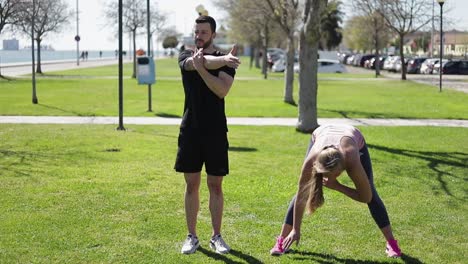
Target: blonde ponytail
316	198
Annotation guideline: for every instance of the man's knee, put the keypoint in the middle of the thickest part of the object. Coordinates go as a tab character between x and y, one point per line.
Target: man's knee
215	185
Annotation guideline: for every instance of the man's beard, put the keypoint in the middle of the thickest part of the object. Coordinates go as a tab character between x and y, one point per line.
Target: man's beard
205	45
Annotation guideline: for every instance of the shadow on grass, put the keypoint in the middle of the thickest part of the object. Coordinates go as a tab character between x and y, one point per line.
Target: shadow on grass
291	103
167	115
24	163
64	110
242	149
346	114
434	159
3	77
227	258
326	258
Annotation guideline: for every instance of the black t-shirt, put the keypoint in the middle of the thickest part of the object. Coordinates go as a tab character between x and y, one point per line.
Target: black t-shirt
203	109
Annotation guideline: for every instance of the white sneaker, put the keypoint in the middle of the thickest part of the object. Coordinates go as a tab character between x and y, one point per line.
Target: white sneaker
217	243
190	245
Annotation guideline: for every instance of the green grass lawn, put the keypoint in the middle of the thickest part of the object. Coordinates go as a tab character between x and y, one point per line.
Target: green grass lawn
91	194
94	92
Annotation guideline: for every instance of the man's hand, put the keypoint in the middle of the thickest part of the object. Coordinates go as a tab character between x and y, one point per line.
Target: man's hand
198	59
230	59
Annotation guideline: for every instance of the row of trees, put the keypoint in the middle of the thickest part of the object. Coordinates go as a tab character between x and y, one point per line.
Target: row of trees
49	16
265	23
316	23
52	16
377	22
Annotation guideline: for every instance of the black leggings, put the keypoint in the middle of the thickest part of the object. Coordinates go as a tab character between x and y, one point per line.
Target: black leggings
376	206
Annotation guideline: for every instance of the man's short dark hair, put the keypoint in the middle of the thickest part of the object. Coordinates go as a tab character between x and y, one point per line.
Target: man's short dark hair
207	19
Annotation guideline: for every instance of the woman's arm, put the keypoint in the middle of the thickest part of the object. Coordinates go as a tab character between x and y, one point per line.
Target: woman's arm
301	201
354	169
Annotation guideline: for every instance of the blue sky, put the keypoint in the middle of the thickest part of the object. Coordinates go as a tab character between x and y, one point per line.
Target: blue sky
96	36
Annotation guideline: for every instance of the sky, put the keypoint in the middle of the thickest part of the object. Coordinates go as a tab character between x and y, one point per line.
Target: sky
95	35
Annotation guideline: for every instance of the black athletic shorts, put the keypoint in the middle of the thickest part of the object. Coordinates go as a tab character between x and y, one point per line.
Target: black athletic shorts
196	149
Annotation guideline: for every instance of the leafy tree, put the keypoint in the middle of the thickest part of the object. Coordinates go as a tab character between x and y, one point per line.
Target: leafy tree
375	26
330	26
422	42
170	42
357	32
158	22
133	16
286	14
9	13
252	22
405	17
49	17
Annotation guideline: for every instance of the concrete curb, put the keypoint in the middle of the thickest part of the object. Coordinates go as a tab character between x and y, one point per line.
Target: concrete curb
247	121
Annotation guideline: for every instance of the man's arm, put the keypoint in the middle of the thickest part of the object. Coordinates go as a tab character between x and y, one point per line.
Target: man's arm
215	62
220	85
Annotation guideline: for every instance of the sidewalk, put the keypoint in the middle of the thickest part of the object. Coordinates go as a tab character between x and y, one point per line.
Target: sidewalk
243	121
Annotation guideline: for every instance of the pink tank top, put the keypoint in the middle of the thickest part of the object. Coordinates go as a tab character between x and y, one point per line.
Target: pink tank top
327	135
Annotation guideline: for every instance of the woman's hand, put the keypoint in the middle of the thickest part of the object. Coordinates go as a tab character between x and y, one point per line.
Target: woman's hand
293	236
331	183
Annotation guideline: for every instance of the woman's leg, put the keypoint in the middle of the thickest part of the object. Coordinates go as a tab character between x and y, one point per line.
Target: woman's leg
377	207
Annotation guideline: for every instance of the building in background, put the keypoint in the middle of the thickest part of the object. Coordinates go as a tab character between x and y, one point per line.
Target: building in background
10	44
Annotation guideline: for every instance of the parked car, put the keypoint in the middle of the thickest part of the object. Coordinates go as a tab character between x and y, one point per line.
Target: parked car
280	65
326	66
388	62
436	67
273	55
414	65
456	67
398	64
391	64
364	58
428	65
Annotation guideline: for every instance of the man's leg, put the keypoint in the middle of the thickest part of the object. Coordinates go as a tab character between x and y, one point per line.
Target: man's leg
192	200
216	202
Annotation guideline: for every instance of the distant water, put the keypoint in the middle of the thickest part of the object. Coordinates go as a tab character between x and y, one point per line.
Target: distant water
16	56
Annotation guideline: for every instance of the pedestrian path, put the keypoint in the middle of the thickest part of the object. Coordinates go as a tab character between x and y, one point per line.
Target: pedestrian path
247	121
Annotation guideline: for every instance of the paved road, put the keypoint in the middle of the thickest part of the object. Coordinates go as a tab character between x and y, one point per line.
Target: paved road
454	82
457	82
18	69
231	121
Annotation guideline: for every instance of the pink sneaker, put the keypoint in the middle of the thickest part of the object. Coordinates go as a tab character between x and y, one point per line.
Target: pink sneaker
278	249
393	250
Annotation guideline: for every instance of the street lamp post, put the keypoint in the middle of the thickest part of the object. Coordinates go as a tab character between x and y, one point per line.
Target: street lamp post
77	37
34	95
149	53
441	3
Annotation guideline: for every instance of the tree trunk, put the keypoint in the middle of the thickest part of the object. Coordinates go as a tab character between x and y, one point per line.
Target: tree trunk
402	59
258	50
134	53
265	49
38	66
264	63
289	72
252	55
377	49
308	54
